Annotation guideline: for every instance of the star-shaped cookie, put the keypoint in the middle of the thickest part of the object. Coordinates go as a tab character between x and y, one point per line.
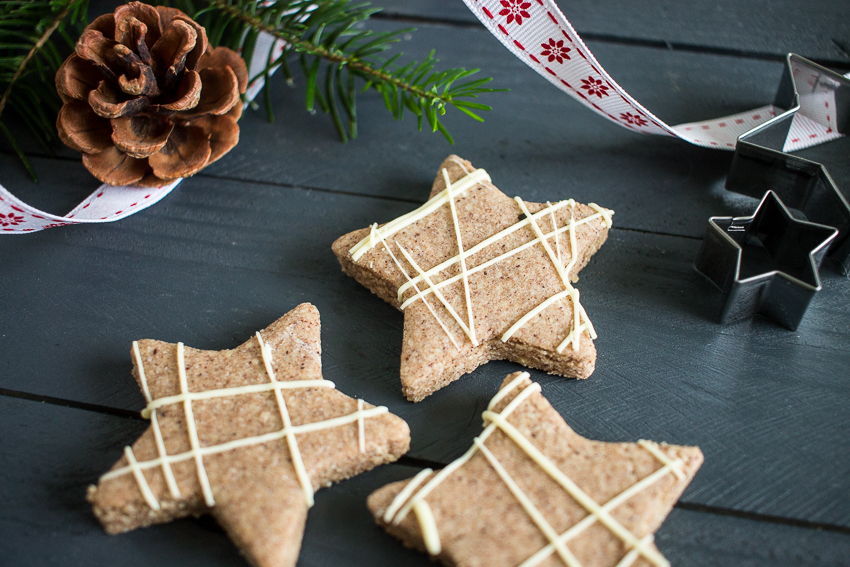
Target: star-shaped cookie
246	435
480	277
531	491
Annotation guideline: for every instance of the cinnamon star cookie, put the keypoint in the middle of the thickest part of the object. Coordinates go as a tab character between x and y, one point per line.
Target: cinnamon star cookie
480	277
246	435
532	492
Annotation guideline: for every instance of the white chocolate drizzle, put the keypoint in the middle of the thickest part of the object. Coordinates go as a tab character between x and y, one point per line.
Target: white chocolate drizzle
411	499
463	272
581	323
194	442
434	203
416	287
197	452
294	451
430	535
361	428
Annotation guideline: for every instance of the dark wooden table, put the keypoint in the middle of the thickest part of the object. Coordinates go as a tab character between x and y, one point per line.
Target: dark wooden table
235	247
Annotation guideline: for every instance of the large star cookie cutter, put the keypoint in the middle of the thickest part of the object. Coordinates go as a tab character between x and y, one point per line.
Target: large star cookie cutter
767	263
818	103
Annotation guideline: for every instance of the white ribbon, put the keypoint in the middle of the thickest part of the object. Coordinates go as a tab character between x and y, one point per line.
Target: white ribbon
538	34
108	203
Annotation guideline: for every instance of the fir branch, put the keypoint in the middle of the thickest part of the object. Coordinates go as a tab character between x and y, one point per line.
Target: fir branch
324	34
29	60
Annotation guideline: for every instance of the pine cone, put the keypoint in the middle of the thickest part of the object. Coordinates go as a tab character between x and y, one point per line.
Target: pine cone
146	100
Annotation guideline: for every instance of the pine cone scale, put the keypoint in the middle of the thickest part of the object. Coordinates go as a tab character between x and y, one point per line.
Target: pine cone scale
186	153
76	78
80	128
115	167
131	34
146	99
169	53
220	94
223	131
188	94
107	103
144	14
140	136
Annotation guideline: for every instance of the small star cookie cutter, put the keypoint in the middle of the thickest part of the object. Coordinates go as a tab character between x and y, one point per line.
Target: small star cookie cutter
818	103
767	263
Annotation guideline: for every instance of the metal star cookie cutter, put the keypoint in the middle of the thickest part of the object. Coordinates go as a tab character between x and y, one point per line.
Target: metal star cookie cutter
818	103
767	263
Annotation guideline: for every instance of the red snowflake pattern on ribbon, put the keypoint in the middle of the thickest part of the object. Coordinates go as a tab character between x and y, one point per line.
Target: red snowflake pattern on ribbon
555	50
594	87
10	219
635	119
515	10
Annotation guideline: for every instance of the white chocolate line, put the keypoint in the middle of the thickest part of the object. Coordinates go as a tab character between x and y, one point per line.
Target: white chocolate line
512	385
236	391
463	271
141	368
434	203
573	293
160	449
457	463
573	490
542	524
428	525
144	487
295	453
589	520
197	452
483	266
606	213
638	547
533	313
542	239
255	440
581	322
439	295
361	430
652	447
402	496
573	245
194	442
586	325
499	236
629	558
157	433
425	301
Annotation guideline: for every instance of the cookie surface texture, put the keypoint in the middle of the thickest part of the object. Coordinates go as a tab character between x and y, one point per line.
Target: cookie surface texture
246	435
480	277
532	492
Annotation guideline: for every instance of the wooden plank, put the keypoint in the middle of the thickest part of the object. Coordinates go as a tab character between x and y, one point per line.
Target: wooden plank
220	260
769	27
696	539
537	142
49	455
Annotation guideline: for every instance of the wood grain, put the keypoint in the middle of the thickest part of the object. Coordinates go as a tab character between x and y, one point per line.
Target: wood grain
815	30
248	239
219	260
49	454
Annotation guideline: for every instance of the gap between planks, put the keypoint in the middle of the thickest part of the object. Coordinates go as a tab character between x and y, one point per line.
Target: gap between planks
426	463
310	189
622	40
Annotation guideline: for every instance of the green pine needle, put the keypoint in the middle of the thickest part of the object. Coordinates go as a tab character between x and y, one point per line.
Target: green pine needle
333	50
336	53
34	40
